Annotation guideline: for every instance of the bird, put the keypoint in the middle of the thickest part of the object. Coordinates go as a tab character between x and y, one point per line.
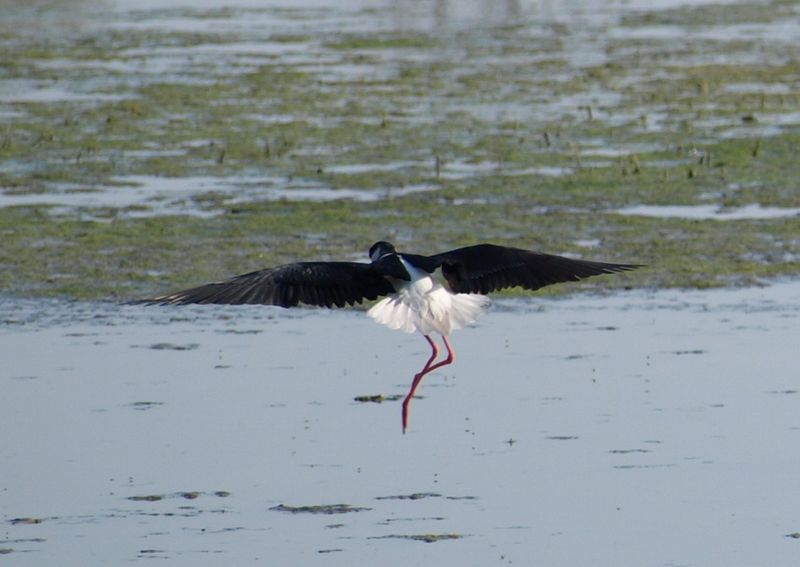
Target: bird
437	294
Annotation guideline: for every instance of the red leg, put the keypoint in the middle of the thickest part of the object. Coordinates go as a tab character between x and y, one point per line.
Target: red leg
418	378
426	370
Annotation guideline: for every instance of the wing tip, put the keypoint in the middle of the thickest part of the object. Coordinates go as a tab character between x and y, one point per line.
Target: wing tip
617	268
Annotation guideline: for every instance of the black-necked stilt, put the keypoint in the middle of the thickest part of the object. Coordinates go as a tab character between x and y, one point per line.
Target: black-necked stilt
416	299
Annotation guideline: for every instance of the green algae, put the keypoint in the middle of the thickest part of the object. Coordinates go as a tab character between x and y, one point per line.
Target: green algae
714	14
372	41
474	118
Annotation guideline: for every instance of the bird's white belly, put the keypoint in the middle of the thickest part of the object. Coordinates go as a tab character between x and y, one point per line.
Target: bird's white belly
425	305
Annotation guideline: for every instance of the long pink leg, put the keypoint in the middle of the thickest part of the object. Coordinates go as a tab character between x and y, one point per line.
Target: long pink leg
428	368
418	378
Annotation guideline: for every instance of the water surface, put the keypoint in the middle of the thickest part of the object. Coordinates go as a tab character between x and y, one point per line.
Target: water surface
633	429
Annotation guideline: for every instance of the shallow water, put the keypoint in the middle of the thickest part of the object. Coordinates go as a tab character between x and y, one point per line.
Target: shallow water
635	429
710	212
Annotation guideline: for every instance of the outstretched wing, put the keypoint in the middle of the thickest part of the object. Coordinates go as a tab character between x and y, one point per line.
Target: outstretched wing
487	267
325	284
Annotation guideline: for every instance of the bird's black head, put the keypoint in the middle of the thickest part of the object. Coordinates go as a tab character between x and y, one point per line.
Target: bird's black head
381	249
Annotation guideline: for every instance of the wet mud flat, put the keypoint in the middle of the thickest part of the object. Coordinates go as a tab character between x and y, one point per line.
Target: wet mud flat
632	429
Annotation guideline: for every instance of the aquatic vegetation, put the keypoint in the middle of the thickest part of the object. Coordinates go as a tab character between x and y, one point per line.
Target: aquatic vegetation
135	157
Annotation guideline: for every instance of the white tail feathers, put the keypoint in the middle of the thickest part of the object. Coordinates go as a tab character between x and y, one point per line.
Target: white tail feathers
428	307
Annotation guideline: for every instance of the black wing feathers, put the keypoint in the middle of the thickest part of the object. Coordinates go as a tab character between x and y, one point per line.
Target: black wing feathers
475	269
486	267
325	284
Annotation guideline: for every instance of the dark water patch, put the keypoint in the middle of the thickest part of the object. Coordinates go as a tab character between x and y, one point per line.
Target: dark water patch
26	521
24	540
389	521
168	346
319	509
144	406
184	513
186	495
628	451
146	498
178	512
377	398
562	437
427	538
687	351
413	496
